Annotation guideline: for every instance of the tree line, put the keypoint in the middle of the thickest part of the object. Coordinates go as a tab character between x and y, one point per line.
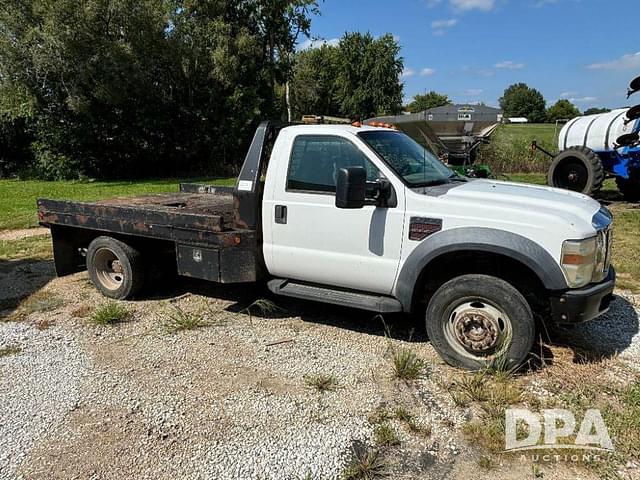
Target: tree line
518	100
129	88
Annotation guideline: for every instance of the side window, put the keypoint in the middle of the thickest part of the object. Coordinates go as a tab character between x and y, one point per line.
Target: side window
316	159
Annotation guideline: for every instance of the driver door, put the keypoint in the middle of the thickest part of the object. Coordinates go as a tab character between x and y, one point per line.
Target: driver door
317	242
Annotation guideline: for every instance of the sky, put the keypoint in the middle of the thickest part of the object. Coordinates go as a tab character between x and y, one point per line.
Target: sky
582	50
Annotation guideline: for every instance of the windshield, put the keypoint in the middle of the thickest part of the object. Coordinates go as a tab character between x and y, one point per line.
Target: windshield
414	163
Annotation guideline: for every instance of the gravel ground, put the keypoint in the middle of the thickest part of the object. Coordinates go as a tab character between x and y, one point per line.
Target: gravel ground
39	385
228	401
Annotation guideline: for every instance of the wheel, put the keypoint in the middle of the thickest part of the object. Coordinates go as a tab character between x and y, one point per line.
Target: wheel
629	188
115	268
578	169
478	321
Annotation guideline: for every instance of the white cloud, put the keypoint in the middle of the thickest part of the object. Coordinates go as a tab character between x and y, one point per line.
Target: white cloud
626	62
486	72
568	94
509	65
542	3
433	3
473	92
583	99
408	72
448	23
310	43
465	5
427	72
439	27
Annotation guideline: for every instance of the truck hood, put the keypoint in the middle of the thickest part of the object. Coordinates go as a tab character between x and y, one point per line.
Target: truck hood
522	203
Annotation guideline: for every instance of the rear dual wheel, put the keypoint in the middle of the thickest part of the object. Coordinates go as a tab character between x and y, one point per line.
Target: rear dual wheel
479	321
115	268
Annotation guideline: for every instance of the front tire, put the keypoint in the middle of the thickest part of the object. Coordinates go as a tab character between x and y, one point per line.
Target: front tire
577	169
479	321
115	268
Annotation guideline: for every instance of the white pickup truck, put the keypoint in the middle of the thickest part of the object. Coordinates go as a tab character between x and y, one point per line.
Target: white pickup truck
366	218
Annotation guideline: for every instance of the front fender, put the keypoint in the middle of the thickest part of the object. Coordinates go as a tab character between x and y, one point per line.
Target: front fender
500	242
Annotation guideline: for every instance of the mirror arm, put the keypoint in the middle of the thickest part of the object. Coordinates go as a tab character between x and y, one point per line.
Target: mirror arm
383	196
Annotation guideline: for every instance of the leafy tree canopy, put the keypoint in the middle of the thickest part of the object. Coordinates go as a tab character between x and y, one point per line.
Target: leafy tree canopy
357	77
519	100
141	87
596	110
562	110
429	100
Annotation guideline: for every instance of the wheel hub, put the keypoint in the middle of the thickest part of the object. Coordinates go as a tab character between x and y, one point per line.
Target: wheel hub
477	331
116	266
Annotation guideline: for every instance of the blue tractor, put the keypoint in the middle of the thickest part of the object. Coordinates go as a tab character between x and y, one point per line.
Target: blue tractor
595	147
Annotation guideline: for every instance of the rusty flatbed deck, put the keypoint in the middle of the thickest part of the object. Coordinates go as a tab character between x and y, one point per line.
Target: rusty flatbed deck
197	214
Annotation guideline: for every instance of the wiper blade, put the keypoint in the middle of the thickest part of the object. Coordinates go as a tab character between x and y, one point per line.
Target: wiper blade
433	183
457	178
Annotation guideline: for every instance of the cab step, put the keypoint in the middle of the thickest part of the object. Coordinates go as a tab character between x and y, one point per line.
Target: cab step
345	298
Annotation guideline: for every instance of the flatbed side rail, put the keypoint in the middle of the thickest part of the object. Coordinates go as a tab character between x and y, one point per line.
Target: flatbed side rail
164	225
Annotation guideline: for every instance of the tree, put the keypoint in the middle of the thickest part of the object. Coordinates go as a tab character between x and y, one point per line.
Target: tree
519	100
313	86
138	87
357	77
562	110
429	100
368	75
595	111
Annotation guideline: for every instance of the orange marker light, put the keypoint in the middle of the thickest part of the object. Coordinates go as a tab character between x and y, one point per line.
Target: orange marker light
572	259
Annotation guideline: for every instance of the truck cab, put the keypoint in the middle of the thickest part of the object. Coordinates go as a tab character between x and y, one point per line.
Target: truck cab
481	257
365	217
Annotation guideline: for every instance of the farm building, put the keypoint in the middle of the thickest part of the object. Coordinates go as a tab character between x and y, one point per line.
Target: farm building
464	113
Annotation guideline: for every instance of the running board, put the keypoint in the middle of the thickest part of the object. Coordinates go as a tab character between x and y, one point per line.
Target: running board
363	301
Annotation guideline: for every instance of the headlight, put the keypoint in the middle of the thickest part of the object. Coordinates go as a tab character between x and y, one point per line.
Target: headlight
579	261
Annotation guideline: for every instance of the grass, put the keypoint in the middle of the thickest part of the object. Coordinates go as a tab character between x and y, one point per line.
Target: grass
385	436
486	463
570	383
110	313
407	366
18	199
9	350
38	248
366	464
321	382
179	321
266	308
510	148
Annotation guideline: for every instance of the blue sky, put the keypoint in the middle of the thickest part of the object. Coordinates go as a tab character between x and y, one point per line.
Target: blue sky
583	50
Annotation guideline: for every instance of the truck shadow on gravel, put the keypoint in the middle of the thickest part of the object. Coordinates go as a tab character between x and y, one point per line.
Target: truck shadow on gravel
19	279
604	337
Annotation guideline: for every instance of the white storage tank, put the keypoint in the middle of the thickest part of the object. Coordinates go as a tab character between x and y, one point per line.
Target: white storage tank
597	132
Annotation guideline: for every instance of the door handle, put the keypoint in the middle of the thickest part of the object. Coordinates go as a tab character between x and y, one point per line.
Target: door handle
281	214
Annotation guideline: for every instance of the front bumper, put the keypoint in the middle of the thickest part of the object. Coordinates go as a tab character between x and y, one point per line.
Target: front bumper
583	304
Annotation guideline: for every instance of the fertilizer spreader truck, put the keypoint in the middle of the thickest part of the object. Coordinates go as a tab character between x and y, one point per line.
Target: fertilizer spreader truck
366	218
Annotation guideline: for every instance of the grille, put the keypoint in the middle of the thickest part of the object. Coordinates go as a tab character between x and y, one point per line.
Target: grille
603	254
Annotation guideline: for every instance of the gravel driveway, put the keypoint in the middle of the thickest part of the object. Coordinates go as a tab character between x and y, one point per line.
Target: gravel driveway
228	401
